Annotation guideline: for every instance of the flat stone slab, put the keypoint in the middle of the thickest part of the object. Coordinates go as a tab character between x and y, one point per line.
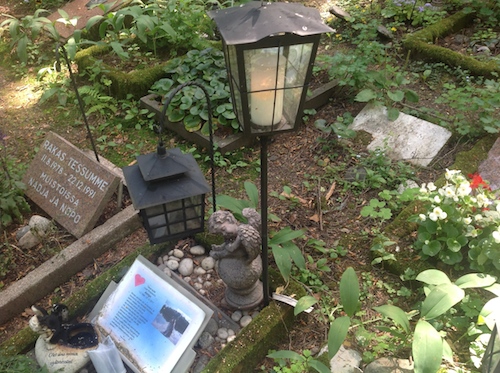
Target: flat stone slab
488	169
407	138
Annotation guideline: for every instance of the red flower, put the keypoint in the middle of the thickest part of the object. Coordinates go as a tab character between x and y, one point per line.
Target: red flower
477	181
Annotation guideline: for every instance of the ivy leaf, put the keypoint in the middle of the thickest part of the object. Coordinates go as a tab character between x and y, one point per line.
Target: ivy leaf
396	96
365	95
411	96
392	114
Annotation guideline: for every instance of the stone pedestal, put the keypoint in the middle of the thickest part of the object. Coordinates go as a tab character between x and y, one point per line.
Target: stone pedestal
61	359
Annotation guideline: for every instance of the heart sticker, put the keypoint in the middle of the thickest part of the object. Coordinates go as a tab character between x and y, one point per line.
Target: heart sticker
139	280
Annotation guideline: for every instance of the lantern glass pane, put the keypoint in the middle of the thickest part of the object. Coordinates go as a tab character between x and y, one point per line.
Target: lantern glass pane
276	81
265	74
234	80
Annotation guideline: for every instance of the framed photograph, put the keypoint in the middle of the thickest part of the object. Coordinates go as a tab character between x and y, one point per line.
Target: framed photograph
153	321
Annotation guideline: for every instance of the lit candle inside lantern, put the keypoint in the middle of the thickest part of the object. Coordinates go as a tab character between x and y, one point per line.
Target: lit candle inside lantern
263	76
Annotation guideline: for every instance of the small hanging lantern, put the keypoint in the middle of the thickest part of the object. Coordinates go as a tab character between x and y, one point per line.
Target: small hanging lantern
270	50
168	189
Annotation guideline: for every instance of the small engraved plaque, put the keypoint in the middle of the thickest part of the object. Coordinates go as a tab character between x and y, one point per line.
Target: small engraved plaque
71	187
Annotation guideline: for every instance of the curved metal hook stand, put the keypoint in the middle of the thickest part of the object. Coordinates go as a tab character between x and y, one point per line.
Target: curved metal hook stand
80	102
161	147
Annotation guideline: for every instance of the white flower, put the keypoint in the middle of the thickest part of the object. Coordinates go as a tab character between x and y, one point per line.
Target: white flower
437	213
431	186
437	199
467	220
449	192
423	190
478	217
449	173
422	217
498	206
496	235
464	189
482	200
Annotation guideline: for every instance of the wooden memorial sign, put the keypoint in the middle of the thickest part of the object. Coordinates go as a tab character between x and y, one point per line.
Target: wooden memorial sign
71	187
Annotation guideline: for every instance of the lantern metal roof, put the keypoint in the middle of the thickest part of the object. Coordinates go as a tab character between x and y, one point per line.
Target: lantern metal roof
256	20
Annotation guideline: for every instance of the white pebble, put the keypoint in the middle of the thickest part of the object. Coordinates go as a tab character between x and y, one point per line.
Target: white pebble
197	286
197	250
245	320
186	267
167	271
208	263
165	258
231	338
230	332
178	253
222	333
202	292
236	316
159	261
198	271
207	284
173	265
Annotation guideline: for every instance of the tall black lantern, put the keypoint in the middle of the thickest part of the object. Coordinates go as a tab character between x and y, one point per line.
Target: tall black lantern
270	50
491	358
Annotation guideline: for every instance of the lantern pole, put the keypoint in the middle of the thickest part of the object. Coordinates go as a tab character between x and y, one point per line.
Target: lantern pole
264	140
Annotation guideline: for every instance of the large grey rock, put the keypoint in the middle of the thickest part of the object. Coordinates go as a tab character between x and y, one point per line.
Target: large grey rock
345	361
407	138
31	235
389	365
488	169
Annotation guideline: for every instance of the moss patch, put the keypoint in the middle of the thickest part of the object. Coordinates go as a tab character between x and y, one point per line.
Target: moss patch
137	82
421	45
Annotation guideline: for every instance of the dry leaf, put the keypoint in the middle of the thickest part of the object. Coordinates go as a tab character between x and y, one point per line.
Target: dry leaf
314	218
330	191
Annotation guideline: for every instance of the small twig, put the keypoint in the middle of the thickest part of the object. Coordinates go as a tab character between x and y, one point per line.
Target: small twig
421	111
320	212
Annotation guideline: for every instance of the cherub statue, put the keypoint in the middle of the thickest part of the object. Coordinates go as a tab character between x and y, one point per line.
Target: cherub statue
241	239
239	262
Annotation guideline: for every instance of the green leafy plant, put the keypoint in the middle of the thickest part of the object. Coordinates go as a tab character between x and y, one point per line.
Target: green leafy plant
474	106
12	201
284	250
19	364
386	88
429	346
293	362
461	217
176	25
408	11
189	105
27	31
